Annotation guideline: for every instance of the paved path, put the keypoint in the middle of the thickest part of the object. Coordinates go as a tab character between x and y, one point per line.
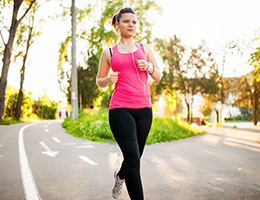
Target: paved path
221	164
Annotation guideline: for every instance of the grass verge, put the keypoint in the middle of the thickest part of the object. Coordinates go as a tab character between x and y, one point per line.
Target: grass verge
93	125
10	121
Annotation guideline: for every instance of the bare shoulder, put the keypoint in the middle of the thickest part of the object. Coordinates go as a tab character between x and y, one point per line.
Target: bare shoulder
106	53
106	57
148	50
146	46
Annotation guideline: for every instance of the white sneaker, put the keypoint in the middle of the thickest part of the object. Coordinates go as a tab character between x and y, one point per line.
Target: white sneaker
117	189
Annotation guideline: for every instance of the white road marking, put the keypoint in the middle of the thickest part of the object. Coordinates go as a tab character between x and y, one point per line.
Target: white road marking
85	146
48	151
87	160
56	139
1	145
30	188
46	130
46	126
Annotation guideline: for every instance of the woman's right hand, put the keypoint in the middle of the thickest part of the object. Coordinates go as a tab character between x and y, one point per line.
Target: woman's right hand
113	77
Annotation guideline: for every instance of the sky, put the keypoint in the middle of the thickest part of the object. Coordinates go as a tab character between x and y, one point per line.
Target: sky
218	22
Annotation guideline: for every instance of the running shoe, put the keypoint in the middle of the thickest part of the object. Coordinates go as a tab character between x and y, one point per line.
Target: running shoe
117	189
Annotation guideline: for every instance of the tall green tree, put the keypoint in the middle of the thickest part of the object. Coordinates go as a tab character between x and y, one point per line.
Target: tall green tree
212	98
23	40
248	87
9	45
172	51
86	80
188	71
203	72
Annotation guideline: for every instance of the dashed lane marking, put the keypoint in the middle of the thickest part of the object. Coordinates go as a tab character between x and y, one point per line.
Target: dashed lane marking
91	162
46	130
56	139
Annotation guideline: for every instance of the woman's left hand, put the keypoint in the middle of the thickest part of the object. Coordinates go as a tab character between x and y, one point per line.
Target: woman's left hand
142	65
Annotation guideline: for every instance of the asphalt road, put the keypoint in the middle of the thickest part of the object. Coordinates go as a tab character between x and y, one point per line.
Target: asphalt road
41	161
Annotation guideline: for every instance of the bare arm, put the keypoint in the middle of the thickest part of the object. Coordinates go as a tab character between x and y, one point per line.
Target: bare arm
103	79
154	71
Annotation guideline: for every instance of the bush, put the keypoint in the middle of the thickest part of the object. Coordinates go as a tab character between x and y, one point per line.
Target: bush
91	125
166	129
94	125
238	117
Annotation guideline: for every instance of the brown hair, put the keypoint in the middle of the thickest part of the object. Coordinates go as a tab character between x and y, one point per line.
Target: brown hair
118	15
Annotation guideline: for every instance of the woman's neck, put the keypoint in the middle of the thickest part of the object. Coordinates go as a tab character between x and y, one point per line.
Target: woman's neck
127	42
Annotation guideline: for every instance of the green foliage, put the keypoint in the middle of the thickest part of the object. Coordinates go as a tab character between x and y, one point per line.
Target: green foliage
10	121
188	71
46	111
11	101
106	96
93	125
90	125
45	108
87	89
166	129
30	109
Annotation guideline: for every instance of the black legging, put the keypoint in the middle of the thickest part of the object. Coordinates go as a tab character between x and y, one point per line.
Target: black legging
130	128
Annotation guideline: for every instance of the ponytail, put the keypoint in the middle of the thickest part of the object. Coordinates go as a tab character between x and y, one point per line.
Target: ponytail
114	20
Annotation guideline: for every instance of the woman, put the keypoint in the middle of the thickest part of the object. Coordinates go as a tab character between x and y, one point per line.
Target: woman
130	113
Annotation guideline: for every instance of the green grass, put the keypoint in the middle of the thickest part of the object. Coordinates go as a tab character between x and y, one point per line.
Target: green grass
90	125
10	121
229	120
166	129
94	125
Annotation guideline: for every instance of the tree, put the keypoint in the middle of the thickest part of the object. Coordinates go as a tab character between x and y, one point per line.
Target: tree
188	72
248	92
86	80
212	98
202	70
172	52
22	40
9	45
255	95
248	86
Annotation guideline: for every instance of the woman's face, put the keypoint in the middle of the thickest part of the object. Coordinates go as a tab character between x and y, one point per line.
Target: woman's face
127	25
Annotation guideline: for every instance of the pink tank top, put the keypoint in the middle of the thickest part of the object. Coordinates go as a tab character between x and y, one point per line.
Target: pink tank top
131	89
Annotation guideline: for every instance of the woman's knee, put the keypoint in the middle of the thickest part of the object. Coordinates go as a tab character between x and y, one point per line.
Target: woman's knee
132	158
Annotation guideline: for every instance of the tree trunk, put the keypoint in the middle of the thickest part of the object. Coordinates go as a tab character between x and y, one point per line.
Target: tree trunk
255	102
19	105
20	96
255	111
6	64
188	112
191	113
217	115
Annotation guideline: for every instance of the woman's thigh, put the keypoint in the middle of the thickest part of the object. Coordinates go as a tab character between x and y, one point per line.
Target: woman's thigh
123	127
